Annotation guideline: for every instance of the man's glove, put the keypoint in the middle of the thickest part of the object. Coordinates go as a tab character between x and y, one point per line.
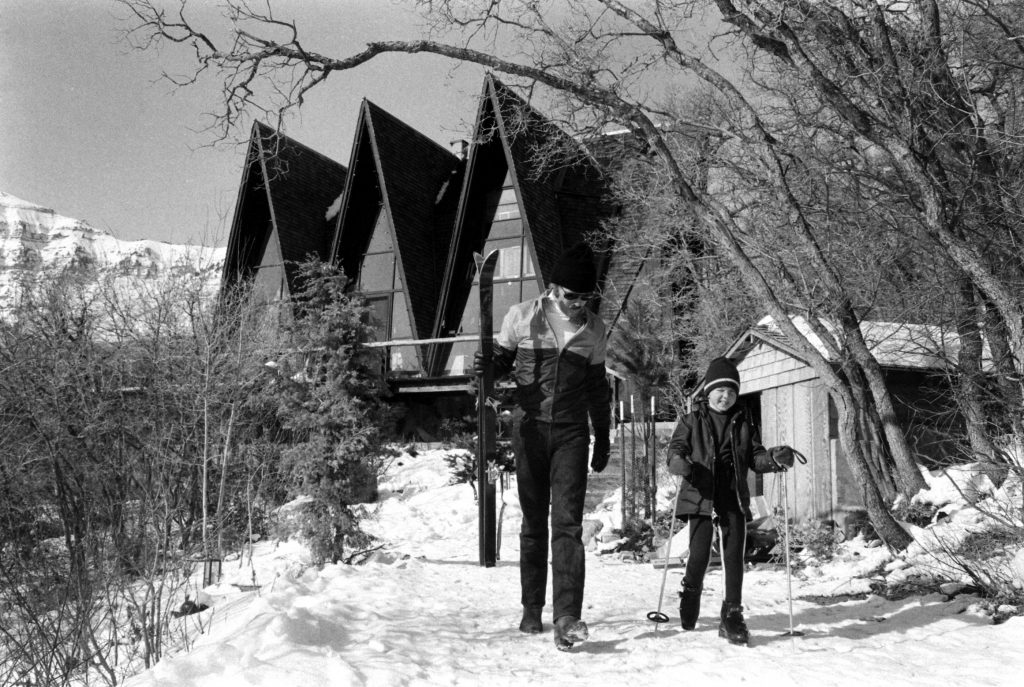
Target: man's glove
478	364
783	456
602	449
678	465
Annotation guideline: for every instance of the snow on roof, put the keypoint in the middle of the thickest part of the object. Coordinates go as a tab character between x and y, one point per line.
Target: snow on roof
894	344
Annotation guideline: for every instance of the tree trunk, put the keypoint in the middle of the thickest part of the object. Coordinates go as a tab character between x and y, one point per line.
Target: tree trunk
1011	387
909	478
894	536
869	435
970	394
223	482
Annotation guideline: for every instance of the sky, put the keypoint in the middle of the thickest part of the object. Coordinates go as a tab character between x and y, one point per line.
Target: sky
422	612
89	129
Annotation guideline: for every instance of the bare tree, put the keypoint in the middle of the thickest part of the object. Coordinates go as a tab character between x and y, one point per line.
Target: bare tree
923	95
99	417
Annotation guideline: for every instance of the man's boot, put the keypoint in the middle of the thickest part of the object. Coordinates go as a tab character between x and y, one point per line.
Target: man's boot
733	627
568	631
689	606
531	622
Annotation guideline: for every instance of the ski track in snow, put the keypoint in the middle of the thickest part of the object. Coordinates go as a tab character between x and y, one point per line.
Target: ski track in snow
438	618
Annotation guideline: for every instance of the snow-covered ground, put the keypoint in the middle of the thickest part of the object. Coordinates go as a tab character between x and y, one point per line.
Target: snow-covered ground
425	613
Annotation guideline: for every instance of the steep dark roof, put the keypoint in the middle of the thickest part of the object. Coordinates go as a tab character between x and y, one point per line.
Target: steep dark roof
558	184
624	267
560	188
612	151
411	176
292	186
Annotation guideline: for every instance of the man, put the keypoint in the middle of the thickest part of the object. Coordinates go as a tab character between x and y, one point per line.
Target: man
556	347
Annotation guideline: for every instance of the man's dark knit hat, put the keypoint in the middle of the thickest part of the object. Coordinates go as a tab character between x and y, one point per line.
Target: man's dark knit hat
575	269
721	372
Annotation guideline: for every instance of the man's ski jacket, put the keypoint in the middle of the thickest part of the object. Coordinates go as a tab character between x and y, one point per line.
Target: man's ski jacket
554	385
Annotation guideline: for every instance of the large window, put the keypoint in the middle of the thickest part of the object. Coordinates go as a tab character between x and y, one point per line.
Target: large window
508	204
381	284
515	276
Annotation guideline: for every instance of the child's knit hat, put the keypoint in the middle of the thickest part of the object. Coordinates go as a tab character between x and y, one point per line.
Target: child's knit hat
721	372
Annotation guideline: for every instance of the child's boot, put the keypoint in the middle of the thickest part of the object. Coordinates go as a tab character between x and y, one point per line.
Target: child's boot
733	627
689	606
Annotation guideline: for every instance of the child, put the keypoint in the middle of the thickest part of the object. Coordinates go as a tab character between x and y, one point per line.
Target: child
712	449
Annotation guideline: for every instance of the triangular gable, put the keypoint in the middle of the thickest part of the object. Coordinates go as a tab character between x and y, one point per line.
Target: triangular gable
559	205
284	196
486	168
413	169
507	136
765	363
251	225
402	173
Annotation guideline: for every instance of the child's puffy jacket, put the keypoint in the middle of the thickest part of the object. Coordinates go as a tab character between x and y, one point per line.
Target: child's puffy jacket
693	443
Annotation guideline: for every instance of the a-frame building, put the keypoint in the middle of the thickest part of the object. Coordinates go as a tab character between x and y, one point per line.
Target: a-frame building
281	214
406	218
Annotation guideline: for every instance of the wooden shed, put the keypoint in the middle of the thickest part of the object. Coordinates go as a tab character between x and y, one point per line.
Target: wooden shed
792	406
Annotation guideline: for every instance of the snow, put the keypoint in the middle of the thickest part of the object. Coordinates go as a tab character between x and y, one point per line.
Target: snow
52	239
334	208
423	612
35	240
894	344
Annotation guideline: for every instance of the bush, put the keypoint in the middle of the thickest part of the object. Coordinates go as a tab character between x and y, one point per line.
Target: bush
818	541
986	558
462	465
458	432
332	533
331	393
919	514
638	538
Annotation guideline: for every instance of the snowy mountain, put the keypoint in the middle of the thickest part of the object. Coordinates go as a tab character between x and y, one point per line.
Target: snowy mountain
34	238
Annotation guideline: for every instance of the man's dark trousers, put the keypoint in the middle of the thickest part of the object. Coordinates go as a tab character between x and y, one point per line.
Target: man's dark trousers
551	471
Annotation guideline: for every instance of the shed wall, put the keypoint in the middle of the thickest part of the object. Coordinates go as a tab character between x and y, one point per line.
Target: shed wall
765	367
794	412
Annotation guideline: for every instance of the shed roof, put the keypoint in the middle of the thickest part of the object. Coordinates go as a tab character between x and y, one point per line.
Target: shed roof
894	344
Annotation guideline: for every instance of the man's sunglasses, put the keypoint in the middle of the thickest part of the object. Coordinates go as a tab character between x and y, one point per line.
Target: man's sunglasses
577	296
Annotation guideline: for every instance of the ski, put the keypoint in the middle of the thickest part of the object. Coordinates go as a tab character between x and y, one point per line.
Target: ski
487	417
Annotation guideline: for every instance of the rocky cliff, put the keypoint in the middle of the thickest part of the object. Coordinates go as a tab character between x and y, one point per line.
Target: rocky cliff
34	239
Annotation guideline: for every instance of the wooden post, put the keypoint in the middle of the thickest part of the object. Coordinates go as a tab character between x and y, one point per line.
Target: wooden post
653	463
633	460
622	456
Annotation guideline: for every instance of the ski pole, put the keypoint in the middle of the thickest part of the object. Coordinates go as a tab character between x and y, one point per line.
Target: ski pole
657	616
789	577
